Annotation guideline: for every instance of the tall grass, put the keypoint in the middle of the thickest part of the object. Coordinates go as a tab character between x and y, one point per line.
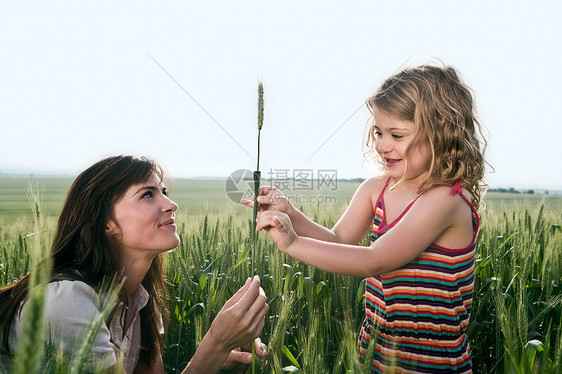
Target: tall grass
515	323
314	317
35	352
27	357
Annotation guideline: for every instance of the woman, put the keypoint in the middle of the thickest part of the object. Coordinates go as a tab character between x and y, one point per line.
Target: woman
116	222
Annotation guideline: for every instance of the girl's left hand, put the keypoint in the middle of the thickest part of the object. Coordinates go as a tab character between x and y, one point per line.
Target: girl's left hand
270	198
239	358
279	227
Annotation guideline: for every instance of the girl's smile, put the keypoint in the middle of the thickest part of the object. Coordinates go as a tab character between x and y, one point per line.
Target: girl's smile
392	138
389	162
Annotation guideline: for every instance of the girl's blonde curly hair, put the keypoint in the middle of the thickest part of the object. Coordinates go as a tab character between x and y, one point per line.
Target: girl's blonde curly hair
442	108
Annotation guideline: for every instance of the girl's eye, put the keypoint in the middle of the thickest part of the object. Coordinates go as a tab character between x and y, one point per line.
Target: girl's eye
396	136
146	194
165	191
378	133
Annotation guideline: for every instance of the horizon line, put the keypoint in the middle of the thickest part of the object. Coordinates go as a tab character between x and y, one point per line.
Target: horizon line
62	175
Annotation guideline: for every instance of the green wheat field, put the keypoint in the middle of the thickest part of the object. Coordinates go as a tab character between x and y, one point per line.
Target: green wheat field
314	317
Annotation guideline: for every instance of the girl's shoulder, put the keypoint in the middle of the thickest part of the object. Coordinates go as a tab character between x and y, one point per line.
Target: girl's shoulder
376	180
453	202
451	213
450	194
372	187
374	184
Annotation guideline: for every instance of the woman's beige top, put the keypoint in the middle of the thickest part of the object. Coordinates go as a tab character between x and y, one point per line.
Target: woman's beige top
71	307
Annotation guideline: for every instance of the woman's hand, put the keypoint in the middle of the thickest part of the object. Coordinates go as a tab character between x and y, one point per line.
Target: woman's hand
242	317
239	358
279	227
239	322
270	198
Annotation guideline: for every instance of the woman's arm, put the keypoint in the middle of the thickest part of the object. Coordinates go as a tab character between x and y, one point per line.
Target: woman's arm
424	223
238	322
236	359
156	368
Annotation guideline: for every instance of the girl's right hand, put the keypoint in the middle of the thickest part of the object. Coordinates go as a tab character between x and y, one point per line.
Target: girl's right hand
270	198
279	227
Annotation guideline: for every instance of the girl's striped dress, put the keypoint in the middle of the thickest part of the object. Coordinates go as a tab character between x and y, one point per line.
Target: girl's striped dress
417	316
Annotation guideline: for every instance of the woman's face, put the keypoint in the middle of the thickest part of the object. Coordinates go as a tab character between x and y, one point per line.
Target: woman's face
144	220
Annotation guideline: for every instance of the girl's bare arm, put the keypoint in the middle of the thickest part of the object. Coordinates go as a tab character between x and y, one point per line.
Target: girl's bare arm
434	216
349	229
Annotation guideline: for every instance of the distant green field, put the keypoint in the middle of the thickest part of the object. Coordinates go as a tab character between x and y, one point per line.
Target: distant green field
197	198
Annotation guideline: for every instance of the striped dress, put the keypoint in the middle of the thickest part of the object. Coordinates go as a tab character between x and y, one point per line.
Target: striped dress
417	316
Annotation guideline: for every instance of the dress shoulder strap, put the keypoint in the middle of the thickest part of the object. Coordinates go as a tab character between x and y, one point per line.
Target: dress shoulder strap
457	189
379	199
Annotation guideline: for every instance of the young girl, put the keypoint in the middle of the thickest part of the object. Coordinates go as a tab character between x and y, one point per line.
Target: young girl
423	220
117	221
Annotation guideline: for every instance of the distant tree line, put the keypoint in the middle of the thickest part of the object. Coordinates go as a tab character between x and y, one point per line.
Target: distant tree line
513	190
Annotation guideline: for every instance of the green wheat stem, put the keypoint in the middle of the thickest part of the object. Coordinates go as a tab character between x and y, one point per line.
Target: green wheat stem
259	150
257	175
257	179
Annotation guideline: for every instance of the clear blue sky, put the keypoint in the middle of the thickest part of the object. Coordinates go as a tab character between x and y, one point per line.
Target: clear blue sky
78	83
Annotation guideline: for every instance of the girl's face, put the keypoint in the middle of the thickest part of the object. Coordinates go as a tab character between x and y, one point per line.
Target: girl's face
144	220
392	137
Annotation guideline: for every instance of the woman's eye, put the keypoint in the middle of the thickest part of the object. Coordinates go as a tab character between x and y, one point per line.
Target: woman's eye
395	136
378	133
147	194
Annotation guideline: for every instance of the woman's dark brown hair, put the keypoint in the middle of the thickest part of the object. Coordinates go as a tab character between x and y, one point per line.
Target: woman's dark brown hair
81	251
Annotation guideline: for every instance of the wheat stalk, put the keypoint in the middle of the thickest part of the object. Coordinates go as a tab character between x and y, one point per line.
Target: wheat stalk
257	179
27	355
